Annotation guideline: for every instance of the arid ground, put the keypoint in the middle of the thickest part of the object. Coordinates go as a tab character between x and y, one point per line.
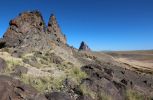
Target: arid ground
142	59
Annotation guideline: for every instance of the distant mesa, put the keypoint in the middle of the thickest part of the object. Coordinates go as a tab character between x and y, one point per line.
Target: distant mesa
28	31
84	47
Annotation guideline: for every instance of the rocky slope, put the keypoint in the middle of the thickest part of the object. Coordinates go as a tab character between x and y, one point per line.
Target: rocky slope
37	64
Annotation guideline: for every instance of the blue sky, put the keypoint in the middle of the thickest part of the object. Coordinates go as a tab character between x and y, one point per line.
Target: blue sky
103	24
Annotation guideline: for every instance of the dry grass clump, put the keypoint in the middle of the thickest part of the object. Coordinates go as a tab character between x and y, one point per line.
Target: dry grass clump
87	91
97	96
104	96
76	75
43	84
134	95
11	61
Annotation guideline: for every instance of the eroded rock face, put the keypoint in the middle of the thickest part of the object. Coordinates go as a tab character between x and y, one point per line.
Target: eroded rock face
54	30
12	89
28	32
84	47
24	29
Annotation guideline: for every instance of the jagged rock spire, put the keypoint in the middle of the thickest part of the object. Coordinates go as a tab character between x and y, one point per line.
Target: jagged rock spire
54	30
53	26
84	47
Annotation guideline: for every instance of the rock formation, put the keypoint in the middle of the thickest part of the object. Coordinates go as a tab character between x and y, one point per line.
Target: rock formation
28	32
54	30
84	46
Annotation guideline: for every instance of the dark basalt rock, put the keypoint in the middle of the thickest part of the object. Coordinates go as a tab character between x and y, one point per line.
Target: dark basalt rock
84	97
109	71
2	43
124	81
12	89
58	96
100	81
114	79
84	47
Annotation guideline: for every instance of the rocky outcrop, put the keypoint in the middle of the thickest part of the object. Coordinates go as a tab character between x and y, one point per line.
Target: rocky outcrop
54	30
12	89
101	81
84	47
28	32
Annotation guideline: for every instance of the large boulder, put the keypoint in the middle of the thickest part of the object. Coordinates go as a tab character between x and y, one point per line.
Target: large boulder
12	89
